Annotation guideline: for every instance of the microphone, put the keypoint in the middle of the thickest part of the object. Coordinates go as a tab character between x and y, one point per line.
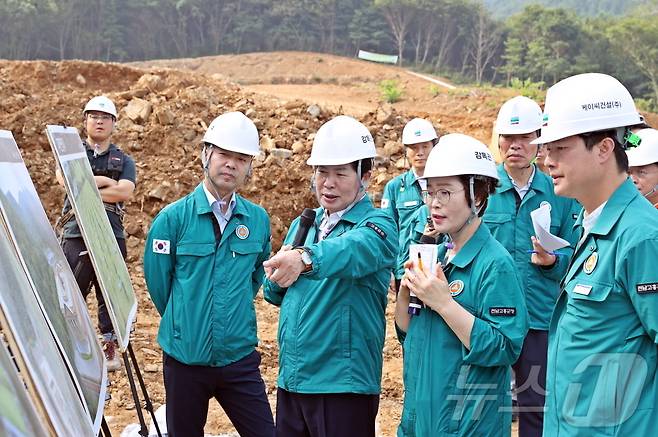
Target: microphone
426	239
305	222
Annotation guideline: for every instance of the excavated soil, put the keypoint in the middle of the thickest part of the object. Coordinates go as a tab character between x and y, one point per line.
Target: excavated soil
165	144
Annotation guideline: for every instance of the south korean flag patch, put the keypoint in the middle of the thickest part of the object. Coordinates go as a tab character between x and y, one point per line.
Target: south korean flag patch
161	246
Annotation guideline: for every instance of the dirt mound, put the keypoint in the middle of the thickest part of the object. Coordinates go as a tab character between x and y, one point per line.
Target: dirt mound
284	67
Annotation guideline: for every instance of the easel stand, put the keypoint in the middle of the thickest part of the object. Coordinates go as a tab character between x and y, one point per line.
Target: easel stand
130	364
148	406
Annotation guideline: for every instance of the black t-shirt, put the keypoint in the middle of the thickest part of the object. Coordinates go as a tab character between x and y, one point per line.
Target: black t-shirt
99	164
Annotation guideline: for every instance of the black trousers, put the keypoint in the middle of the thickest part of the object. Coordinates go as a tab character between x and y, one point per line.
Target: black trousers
85	276
238	387
530	371
325	415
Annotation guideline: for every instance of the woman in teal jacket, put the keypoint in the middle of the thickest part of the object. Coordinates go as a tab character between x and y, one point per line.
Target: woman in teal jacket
333	292
459	349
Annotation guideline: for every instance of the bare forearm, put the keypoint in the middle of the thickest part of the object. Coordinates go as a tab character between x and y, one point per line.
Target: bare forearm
117	191
402	317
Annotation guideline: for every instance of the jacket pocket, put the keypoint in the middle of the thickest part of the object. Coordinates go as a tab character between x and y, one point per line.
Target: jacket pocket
195	249
588	291
586	299
496	222
497	218
245	248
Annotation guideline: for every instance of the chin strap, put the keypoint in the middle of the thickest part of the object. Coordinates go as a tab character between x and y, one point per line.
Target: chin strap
475	211
653	190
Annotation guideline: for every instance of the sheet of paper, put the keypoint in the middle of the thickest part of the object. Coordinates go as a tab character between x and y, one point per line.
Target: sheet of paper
428	254
541	222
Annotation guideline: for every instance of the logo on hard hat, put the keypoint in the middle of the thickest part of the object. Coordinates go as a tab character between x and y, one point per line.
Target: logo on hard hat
417	133
545	120
514	120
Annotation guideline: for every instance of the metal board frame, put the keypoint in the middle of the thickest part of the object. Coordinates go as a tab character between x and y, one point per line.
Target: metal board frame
111	270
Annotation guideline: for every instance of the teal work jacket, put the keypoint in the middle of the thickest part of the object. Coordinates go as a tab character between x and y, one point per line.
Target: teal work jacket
451	390
332	319
512	227
402	198
204	290
602	374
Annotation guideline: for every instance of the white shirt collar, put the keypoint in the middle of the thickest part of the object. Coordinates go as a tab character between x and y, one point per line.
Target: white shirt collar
589	220
330	220
524	189
211	199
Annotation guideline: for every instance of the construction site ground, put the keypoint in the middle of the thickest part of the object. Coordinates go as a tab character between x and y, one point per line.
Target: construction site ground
165	107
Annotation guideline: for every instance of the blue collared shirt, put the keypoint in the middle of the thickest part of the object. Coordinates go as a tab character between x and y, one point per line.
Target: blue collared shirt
222	217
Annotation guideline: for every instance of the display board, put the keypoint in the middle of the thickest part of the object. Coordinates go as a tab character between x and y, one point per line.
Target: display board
51	277
18	416
111	270
37	355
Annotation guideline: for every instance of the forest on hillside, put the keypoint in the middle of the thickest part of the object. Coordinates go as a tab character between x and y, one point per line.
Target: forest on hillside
460	39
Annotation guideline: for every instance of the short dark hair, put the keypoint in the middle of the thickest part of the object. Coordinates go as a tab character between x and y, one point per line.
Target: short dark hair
593	138
366	165
483	187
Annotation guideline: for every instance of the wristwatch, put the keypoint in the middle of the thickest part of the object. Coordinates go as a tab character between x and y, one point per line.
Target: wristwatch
306	259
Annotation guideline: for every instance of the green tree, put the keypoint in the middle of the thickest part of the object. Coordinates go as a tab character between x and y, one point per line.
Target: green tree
513	57
399	14
637	39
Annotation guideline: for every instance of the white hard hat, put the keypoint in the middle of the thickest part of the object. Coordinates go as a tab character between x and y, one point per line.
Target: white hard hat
417	131
459	154
101	104
517	116
341	140
235	132
647	152
585	103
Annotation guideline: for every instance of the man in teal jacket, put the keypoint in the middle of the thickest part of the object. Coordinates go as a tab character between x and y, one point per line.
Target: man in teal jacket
203	267
403	194
333	292
523	189
602	374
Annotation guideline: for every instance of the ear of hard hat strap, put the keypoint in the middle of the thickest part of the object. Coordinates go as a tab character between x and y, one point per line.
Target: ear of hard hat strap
653	190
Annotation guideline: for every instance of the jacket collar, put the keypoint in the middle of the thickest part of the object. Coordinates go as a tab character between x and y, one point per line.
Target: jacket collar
539	182
354	215
472	247
613	209
203	207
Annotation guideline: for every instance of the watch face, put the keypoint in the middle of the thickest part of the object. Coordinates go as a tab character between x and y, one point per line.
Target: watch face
306	258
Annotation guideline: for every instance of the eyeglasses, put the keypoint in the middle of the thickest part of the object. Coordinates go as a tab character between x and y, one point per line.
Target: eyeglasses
442	196
99	117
